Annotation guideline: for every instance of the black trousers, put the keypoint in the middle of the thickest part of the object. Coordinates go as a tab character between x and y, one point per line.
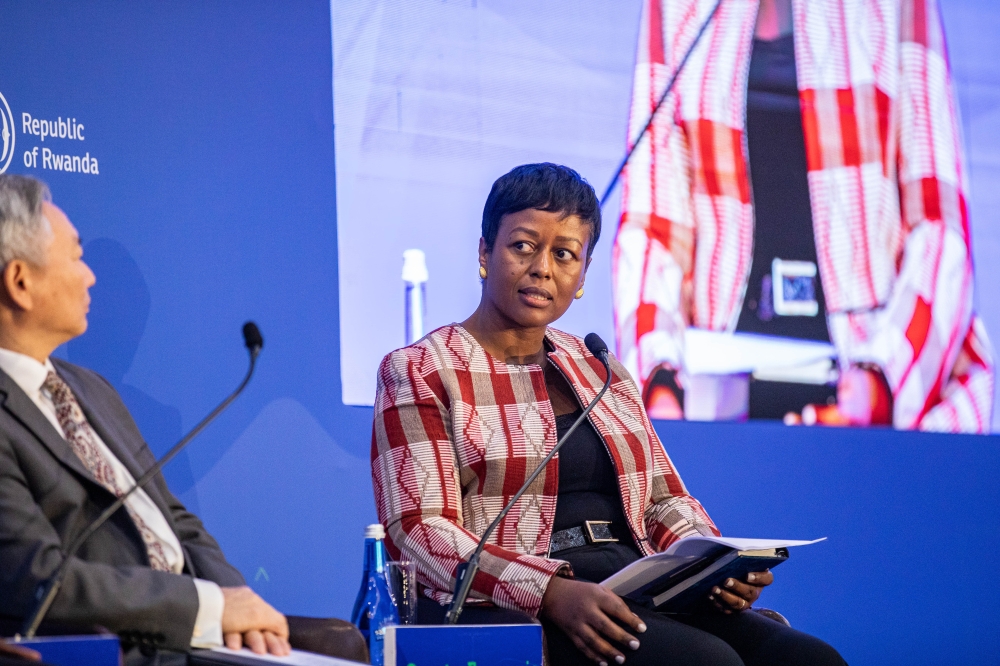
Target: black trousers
703	639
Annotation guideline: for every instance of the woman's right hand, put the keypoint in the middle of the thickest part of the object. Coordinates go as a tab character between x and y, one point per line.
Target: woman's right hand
586	613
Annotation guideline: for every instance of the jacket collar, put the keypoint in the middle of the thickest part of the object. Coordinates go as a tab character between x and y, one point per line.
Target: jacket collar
17	403
112	437
118	442
556	343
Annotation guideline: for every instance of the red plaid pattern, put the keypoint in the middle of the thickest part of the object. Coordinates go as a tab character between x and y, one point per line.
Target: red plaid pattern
457	432
886	180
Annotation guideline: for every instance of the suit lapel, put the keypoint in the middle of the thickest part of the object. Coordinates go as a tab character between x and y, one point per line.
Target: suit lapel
117	442
111	434
20	406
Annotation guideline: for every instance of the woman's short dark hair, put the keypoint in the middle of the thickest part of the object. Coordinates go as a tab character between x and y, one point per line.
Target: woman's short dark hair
550	187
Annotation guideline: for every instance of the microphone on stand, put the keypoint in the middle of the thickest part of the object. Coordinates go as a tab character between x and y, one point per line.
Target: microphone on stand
467	572
47	593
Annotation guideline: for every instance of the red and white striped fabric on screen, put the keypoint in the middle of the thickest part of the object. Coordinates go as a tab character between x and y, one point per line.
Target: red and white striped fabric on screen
886	178
456	434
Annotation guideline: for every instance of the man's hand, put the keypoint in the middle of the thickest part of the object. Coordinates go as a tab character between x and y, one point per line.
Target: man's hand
735	596
584	611
20	651
249	620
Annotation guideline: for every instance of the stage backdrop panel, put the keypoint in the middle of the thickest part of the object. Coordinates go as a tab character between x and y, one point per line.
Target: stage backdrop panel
434	100
912	521
212	203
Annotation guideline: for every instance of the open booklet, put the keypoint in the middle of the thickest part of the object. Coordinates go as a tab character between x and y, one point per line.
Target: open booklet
678	578
222	656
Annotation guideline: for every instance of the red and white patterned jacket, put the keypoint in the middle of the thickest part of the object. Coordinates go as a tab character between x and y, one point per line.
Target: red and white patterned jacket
457	432
886	180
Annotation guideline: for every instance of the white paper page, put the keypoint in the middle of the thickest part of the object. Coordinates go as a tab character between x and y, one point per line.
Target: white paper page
682	553
296	658
701	544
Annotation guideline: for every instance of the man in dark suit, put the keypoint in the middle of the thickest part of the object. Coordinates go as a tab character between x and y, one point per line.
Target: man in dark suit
68	447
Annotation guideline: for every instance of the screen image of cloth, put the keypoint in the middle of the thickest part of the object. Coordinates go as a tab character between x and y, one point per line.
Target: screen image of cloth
783	225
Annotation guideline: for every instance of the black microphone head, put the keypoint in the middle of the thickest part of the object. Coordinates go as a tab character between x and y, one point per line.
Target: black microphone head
252	337
595	345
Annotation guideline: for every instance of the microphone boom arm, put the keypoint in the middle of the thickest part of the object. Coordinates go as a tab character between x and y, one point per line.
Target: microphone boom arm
48	593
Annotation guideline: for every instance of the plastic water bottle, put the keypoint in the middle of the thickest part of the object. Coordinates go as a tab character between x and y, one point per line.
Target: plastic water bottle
374	607
415	284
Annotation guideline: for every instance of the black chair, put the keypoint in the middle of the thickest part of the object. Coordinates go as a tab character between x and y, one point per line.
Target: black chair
330	637
772	615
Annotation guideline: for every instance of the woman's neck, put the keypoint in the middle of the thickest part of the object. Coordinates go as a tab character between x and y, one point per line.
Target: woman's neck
505	340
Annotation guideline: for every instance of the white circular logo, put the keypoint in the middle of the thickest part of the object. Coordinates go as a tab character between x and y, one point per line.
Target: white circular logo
7	134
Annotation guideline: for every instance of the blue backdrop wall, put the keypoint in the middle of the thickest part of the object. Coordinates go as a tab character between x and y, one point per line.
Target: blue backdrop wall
214	202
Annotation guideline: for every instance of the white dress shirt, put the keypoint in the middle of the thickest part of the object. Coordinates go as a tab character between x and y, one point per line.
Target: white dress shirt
30	375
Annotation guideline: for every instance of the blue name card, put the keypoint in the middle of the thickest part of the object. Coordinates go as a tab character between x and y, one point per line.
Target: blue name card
99	650
464	645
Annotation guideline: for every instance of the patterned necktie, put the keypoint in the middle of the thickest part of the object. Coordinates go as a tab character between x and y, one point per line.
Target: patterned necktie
83	439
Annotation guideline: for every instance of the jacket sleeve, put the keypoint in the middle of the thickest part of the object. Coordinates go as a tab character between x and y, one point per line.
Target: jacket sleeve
419	497
653	252
157	605
929	317
671	513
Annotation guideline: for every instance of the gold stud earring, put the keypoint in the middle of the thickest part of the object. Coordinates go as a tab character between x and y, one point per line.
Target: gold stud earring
482	272
579	294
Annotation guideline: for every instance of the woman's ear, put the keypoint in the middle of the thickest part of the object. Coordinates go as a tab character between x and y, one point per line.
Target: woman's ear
484	254
583	278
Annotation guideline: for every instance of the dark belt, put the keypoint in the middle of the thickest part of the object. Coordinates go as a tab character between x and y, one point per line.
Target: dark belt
591	532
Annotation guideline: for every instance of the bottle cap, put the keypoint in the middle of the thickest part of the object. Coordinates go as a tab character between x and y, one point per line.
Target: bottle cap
414	266
375	531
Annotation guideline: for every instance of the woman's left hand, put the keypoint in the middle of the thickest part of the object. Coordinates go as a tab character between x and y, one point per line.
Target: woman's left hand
735	596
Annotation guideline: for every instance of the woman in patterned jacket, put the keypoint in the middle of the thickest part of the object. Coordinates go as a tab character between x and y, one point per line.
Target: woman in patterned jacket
463	416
